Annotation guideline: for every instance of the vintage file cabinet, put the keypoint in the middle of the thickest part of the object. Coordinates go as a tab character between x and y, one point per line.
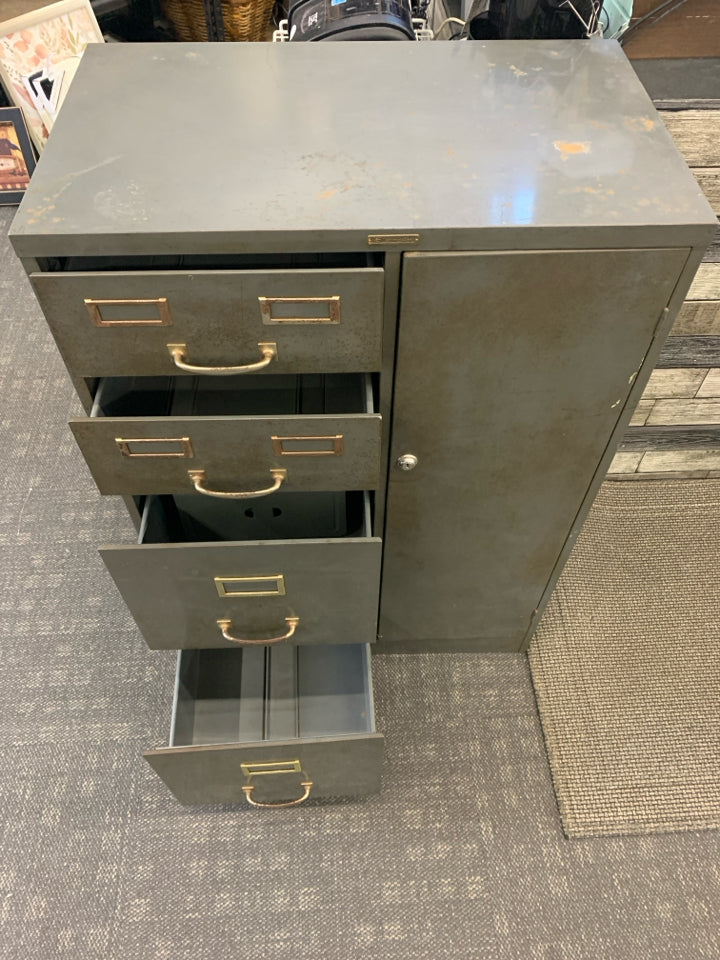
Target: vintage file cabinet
356	328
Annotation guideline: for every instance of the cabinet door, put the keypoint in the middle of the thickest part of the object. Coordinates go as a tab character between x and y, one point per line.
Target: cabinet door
512	371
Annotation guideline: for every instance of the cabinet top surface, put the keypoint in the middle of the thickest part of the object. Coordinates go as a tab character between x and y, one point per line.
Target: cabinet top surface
242	146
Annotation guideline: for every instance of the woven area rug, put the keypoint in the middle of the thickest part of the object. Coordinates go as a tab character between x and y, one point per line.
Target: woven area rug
626	664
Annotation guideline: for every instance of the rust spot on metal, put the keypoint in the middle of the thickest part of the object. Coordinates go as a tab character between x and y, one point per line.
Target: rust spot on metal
568	148
640	123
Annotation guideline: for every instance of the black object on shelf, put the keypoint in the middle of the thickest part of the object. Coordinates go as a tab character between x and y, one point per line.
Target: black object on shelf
351	20
531	19
131	21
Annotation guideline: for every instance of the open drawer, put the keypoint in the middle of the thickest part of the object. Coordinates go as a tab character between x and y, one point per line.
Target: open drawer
301	568
272	726
233	437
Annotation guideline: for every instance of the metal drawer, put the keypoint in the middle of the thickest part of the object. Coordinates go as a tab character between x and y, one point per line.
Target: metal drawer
271	726
144	323
300	567
232	435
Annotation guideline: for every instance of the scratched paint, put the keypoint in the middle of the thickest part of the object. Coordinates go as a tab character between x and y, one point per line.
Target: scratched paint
124	204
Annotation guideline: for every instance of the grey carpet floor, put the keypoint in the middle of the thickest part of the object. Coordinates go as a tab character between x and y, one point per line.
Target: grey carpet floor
462	856
626	667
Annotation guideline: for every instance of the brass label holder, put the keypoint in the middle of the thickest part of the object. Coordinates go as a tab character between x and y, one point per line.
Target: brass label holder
126	450
267	304
383	239
336	446
163	319
277	766
221	584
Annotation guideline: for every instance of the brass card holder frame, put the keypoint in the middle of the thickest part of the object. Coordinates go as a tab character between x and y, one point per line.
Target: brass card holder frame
124	445
164	318
279	591
267	303
337	440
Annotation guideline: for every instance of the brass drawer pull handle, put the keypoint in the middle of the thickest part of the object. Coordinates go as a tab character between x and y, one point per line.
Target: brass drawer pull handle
248	789
258	769
226	627
199	479
178	352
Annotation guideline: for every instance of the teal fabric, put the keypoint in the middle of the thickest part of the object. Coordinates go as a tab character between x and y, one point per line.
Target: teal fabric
615	18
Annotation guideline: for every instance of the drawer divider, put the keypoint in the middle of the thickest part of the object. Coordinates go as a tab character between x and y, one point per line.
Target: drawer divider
281	705
251	718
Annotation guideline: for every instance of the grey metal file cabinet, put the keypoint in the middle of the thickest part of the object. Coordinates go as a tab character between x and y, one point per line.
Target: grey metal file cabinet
356	328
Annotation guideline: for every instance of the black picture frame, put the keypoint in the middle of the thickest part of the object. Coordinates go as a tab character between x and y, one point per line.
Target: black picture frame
17	158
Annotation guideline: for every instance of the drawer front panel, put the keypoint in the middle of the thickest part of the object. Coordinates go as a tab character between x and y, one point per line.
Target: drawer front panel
337	767
142	455
177	593
123	324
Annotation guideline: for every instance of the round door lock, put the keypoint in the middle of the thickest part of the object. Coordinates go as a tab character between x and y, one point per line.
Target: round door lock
408	461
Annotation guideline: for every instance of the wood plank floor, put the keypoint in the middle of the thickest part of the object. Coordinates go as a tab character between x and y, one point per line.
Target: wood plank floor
675	430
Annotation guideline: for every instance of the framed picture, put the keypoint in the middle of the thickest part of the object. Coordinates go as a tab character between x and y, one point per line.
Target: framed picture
17	160
39	54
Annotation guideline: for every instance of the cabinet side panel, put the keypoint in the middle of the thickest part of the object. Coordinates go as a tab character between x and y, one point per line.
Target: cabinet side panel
512	372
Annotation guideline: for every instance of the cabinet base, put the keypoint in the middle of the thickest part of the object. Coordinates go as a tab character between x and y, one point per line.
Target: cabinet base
466	645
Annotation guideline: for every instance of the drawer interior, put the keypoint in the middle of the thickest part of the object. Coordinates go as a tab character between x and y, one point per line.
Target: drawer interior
278	395
189	518
211	261
271	693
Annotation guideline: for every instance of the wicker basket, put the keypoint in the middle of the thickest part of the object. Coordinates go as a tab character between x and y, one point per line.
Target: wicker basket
243	19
